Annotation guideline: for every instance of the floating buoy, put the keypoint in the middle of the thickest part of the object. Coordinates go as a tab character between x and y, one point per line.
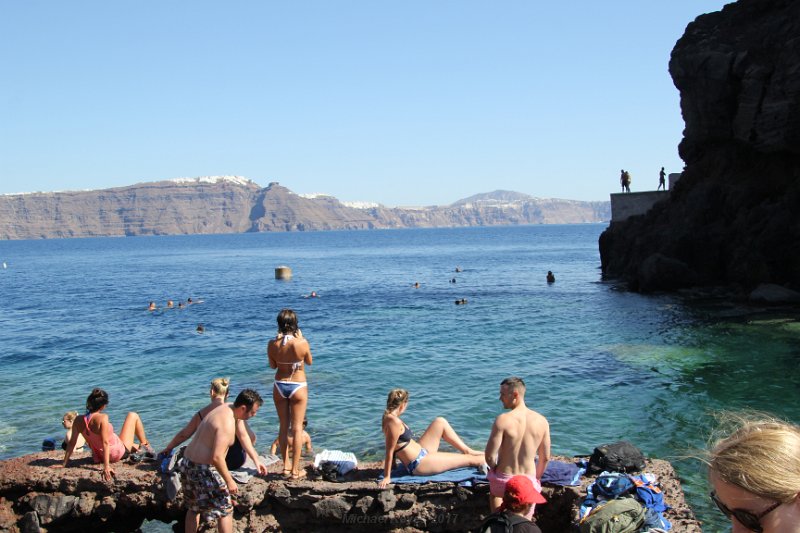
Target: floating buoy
283	272
4	265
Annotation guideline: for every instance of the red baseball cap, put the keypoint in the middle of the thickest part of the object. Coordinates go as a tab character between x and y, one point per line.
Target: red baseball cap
520	491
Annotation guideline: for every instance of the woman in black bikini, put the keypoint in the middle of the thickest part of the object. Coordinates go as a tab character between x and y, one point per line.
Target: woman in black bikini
422	457
289	353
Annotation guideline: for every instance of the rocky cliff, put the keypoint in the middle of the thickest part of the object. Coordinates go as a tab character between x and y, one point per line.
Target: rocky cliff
734	216
236	205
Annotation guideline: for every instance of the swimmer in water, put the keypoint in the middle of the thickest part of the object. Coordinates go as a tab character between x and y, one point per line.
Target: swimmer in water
416	285
200	328
170	304
152	306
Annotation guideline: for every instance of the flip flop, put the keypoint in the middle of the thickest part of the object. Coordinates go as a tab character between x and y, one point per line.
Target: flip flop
287	473
300	475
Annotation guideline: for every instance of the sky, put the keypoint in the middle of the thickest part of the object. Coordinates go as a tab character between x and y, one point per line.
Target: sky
419	102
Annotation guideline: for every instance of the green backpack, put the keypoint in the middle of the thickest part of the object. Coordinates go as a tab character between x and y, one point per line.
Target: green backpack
622	515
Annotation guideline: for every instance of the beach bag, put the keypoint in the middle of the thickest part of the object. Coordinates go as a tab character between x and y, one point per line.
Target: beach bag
620	456
170	466
612	485
623	515
501	523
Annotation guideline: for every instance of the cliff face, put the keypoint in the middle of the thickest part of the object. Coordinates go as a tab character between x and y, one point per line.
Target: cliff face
734	216
236	205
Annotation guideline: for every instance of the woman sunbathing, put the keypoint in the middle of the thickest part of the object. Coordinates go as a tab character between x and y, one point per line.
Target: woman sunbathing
422	457
107	447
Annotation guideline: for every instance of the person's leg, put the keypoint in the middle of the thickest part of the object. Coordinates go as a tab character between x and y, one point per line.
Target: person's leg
438	462
299	402
225	523
497	487
282	407
440	429
132	426
191	522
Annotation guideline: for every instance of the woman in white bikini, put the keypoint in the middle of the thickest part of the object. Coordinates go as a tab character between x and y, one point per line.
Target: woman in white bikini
421	457
288	353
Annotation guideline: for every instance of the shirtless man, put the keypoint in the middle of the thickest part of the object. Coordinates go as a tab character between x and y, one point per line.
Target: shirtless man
516	438
206	480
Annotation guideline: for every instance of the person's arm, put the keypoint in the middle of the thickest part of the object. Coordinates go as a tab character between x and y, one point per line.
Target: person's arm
493	445
307	356
274	447
73	440
220	450
309	447
181	436
105	431
392	429
247	445
272	362
544	452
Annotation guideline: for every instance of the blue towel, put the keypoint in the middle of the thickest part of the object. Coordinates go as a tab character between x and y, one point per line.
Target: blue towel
458	475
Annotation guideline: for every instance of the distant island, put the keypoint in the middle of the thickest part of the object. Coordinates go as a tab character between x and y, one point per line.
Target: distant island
232	204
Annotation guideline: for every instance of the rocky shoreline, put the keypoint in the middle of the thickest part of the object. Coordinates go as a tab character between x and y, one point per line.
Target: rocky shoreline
35	497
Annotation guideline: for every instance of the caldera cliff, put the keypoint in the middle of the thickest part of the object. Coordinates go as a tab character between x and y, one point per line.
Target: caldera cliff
734	216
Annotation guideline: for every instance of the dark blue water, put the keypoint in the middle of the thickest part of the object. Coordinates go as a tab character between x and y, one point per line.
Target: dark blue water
601	364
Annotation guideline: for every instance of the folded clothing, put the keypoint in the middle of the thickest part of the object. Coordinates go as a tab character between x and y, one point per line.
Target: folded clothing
345	461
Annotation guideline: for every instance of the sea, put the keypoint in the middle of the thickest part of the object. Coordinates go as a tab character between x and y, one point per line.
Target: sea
600	363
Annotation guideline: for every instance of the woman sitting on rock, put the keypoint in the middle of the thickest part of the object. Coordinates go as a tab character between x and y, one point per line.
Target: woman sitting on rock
421	457
755	474
107	447
243	442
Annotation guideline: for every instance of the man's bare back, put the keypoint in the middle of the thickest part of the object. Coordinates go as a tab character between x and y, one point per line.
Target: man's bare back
518	436
216	431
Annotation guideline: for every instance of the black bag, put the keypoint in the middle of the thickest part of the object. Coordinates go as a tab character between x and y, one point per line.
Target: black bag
329	470
501	523
620	456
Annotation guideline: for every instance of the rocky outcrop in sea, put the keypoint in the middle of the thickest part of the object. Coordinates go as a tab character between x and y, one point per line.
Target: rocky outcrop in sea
734	216
230	204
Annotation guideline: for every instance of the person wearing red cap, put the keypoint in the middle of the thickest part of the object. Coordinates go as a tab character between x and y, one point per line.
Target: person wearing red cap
519	497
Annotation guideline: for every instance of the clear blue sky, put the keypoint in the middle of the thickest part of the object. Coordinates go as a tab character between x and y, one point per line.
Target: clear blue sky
416	102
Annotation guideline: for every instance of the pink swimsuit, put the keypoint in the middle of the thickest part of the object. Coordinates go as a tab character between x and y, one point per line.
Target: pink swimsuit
117	450
497	485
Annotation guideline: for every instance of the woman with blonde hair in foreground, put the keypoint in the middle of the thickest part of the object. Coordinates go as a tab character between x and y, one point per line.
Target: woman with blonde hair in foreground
755	474
421	457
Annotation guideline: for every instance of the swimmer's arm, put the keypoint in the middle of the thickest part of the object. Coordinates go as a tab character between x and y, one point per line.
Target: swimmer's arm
181	436
544	452
493	445
309	447
274	447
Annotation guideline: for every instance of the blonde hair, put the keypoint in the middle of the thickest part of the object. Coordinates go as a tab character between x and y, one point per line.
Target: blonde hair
70	416
761	456
396	398
219	387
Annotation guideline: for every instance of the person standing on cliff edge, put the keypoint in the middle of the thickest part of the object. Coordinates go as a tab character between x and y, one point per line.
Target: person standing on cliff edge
516	438
662	183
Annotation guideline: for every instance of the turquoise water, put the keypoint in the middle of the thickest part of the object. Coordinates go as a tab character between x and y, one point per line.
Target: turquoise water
601	364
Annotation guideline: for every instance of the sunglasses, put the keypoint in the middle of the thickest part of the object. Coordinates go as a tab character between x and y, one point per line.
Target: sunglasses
749	520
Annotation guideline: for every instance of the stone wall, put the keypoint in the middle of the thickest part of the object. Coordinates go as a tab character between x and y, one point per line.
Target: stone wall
35	497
